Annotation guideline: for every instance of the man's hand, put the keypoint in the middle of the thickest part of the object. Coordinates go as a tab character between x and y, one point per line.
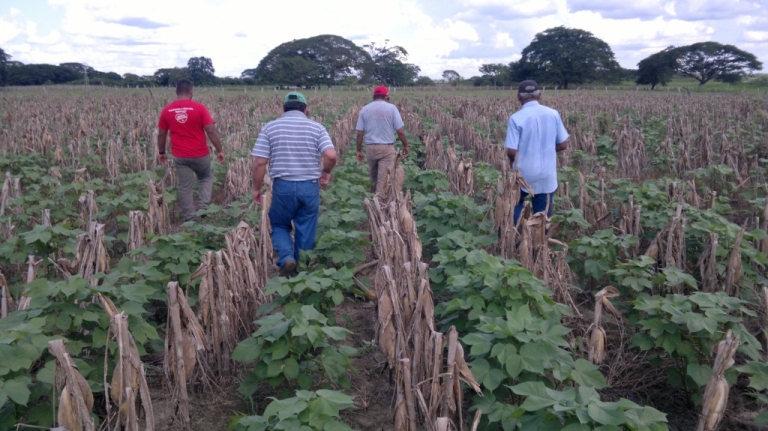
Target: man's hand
359	157
220	156
406	151
257	197
162	159
325	178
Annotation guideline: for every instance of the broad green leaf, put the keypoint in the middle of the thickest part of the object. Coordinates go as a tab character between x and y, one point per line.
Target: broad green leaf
290	368
586	373
606	415
17	391
699	373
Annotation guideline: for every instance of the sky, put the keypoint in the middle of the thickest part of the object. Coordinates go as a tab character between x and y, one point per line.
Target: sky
142	36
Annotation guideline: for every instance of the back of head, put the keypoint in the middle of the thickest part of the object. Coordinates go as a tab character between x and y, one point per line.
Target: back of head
294	101
183	87
528	89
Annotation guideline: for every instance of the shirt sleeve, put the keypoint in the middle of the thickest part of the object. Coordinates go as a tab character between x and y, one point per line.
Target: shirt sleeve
397	120
324	141
513	135
162	123
207	119
262	148
360	123
562	134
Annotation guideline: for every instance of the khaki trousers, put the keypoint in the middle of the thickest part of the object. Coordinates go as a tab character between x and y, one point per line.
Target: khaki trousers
187	171
381	160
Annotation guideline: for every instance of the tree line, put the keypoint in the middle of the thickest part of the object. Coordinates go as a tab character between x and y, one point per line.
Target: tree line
558	56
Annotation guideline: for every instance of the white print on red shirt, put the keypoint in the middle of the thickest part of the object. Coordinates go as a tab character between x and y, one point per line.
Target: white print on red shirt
181	114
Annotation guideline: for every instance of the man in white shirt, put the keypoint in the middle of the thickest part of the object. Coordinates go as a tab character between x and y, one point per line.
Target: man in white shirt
377	122
535	134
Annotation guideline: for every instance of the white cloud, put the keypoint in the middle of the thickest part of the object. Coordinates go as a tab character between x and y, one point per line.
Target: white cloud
756	36
502	40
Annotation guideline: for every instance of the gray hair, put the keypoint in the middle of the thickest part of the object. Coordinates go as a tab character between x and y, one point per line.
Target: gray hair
531	95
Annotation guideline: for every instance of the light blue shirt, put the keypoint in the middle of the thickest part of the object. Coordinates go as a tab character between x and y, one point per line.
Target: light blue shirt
534	131
379	120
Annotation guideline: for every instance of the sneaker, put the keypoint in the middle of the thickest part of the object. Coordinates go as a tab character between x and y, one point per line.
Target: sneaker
289	267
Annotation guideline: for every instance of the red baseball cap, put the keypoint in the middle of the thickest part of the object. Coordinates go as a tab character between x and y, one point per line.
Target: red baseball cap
380	91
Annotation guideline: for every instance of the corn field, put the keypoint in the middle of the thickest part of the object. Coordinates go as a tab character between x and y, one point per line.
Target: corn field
640	305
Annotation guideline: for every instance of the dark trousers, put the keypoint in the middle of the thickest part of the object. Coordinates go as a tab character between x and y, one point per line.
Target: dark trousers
540	202
297	202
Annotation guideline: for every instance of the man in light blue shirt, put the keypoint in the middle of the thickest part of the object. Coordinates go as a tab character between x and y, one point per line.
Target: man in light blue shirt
535	134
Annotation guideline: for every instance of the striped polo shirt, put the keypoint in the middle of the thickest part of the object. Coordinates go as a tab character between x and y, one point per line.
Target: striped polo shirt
293	144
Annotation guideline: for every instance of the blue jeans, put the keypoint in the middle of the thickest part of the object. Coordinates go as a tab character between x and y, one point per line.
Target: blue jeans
539	204
297	201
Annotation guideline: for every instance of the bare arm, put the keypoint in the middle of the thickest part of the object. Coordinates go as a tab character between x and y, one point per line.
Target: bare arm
162	134
329	161
213	135
561	146
511	154
359	142
259	169
404	140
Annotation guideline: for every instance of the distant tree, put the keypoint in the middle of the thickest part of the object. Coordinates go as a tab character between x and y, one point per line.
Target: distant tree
296	71
657	69
496	71
77	67
327	58
249	73
705	61
566	56
4	60
451	76
131	79
424	81
39	74
201	70
388	64
169	77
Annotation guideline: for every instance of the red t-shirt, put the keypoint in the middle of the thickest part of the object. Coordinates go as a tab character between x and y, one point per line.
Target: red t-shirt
186	120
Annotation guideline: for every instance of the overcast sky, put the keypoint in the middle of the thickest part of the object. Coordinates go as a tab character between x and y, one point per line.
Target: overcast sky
141	36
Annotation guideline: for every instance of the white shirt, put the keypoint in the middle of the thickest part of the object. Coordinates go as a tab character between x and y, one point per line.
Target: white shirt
534	131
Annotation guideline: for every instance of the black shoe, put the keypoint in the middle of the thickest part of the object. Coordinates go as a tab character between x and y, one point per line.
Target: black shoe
288	269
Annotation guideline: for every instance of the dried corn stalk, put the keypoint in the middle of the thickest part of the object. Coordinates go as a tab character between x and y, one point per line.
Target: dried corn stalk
185	347
507	197
764	241
157	208
716	392
734	269
90	255
405	324
76	400
238	180
708	264
128	387
595	335
88	207
668	248
139	226
6	193
6	301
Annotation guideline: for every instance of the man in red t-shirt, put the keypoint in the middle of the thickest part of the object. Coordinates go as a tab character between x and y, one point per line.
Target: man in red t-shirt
189	123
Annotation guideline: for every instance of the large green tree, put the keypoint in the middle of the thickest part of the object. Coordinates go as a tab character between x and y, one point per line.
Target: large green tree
201	70
705	61
495	71
4	58
657	69
324	59
564	56
171	76
388	64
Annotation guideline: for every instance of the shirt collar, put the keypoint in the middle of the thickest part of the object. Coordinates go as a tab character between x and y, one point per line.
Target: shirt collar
294	114
530	104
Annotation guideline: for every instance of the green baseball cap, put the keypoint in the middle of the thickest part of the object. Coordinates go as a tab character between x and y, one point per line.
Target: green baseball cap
294	96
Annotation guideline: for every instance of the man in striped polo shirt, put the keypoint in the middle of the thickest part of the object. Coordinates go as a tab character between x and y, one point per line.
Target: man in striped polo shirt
292	146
